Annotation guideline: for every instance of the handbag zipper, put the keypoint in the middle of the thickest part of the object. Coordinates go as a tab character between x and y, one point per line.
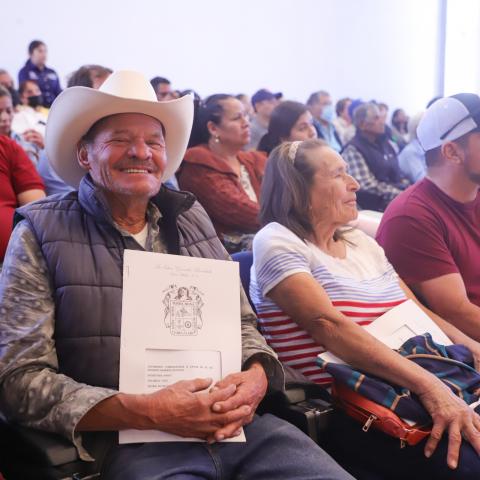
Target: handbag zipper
368	423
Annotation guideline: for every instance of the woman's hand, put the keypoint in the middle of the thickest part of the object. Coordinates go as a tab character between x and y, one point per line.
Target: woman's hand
450	413
474	347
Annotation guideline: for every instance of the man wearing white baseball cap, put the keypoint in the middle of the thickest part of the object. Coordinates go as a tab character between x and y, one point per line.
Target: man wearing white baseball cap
61	292
431	232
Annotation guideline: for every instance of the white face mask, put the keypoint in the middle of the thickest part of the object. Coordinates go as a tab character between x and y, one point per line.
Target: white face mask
327	113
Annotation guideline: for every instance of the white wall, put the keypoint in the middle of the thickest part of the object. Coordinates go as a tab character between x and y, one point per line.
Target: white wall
462	56
383	49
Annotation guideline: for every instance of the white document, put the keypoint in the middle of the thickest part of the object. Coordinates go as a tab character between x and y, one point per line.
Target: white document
397	325
180	321
164	367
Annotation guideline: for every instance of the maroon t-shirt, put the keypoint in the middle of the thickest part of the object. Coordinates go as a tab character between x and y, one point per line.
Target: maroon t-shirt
17	175
427	234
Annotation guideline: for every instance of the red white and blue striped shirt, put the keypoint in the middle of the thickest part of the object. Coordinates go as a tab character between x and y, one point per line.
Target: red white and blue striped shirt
362	286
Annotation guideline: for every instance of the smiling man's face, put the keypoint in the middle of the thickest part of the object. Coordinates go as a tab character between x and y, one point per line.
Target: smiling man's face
125	154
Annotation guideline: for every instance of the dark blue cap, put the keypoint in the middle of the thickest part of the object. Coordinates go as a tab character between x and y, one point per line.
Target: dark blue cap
265	94
355	103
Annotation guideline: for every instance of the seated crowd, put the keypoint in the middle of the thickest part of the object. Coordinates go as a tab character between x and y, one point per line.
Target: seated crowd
151	168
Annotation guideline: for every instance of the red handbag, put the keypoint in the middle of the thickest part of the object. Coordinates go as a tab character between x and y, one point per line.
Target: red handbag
377	416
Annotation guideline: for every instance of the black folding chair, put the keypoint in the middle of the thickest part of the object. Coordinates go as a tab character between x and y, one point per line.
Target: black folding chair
29	454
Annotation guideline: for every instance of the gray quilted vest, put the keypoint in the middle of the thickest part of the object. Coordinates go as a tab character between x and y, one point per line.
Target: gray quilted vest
84	255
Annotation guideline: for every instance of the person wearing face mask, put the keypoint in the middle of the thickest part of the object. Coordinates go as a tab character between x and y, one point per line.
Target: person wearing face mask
31	117
321	107
36	69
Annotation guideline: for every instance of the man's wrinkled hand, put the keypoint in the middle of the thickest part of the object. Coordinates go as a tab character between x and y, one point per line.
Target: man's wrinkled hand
186	408
250	388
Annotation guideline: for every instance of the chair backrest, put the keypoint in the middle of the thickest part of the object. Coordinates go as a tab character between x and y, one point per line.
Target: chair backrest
245	259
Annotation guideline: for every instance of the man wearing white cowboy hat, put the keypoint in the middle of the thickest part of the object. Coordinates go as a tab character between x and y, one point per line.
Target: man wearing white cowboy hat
60	302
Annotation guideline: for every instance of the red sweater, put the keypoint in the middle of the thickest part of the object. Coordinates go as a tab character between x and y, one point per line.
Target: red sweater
218	188
17	175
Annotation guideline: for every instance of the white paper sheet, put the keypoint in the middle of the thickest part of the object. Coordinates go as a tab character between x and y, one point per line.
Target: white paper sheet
165	367
180	320
397	325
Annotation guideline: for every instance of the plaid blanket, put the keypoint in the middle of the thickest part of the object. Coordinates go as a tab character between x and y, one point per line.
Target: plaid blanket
452	364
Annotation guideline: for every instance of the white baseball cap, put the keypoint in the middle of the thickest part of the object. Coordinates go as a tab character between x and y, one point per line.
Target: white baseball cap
449	118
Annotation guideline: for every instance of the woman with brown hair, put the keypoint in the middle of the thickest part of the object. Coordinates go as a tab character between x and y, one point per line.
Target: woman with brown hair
225	179
289	121
315	283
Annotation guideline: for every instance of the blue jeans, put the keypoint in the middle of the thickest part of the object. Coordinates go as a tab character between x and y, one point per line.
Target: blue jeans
274	450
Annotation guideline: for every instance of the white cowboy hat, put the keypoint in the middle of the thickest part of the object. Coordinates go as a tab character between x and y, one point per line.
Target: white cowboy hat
76	109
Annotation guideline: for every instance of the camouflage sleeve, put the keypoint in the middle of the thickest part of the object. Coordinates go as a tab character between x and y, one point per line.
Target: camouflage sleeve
255	348
32	392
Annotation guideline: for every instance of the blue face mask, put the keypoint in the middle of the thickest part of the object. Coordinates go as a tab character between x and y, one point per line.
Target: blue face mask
327	113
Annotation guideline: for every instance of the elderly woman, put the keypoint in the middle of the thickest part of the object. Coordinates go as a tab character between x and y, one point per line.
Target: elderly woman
290	121
316	284
225	179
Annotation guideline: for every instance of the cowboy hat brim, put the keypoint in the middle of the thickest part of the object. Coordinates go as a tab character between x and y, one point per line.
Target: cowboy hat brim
76	109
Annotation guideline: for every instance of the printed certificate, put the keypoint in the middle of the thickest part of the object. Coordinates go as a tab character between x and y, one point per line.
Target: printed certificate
180	321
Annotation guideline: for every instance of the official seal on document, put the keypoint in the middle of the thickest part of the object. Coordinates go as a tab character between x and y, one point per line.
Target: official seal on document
183	310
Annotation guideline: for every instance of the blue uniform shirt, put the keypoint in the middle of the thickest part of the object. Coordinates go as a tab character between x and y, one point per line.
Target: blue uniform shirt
46	78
